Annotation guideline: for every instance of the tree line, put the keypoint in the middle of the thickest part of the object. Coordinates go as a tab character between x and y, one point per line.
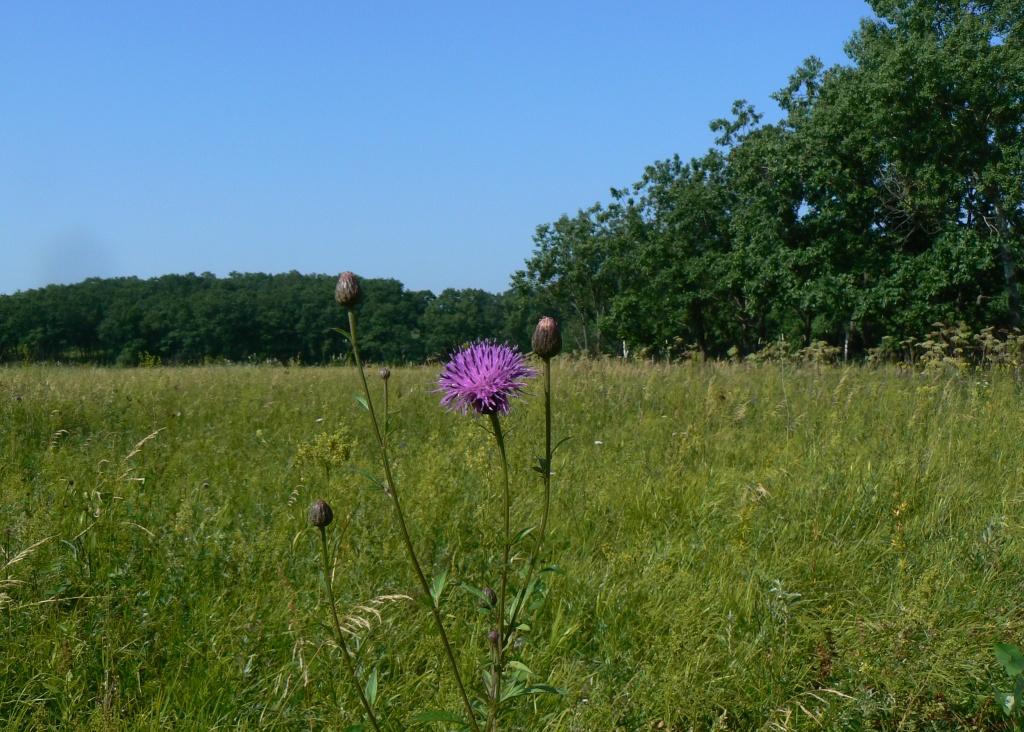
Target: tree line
243	317
887	198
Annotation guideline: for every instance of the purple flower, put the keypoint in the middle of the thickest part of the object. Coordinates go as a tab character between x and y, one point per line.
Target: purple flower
485	376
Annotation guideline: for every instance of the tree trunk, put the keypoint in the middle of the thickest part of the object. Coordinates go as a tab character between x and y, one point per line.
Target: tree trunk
1010	278
1002	232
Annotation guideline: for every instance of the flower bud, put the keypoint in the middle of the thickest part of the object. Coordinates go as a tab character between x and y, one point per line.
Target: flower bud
320	513
347	292
493	637
547	338
490	597
385	373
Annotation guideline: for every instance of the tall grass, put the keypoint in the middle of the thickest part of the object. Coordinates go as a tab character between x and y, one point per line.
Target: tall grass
749	549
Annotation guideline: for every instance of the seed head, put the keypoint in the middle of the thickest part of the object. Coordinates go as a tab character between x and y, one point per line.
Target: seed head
347	292
547	338
385	373
320	513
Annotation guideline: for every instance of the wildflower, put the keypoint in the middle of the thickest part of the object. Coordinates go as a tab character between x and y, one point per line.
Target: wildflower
547	338
485	376
347	292
385	373
320	513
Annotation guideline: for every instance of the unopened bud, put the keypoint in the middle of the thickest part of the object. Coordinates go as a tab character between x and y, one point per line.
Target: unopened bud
320	513
385	373
347	292
490	597
547	338
493	638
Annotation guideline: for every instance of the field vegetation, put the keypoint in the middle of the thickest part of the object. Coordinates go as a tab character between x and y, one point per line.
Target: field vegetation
739	546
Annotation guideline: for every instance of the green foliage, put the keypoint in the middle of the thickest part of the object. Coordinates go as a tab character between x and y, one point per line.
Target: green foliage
753	546
289	318
1012	702
889	196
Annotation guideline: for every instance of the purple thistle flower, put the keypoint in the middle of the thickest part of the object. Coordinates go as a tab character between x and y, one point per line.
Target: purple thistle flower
484	376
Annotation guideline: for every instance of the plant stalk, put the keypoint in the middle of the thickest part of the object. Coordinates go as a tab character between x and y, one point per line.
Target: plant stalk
406	538
499	438
341	636
532	566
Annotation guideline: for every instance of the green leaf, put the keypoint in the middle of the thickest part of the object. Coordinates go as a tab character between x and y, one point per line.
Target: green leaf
475	591
371	688
511	691
559	444
355	728
372	479
361	401
1011	659
523	533
520	667
1005	701
544	689
437	584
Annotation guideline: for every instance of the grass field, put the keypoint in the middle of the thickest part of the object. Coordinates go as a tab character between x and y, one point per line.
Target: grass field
740	547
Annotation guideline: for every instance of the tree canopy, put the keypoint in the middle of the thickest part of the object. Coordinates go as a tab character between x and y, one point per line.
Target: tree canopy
890	195
243	317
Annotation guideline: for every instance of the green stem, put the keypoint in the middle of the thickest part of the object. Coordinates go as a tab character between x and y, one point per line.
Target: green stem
341	636
492	721
531	567
386	412
406	538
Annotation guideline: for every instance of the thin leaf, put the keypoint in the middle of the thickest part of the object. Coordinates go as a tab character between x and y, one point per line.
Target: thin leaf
544	689
375	481
475	591
523	533
512	691
559	444
371	688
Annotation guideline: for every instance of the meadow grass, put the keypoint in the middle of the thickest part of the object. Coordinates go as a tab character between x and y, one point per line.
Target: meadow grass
740	547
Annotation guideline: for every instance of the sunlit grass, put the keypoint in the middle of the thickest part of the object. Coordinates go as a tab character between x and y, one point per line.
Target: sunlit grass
741	547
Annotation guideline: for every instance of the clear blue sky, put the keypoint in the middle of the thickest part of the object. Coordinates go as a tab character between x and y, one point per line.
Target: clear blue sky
421	141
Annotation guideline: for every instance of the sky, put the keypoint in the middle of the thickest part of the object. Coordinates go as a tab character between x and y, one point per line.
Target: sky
420	141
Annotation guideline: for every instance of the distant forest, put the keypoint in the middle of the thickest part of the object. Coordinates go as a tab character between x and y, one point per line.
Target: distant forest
244	317
889	197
